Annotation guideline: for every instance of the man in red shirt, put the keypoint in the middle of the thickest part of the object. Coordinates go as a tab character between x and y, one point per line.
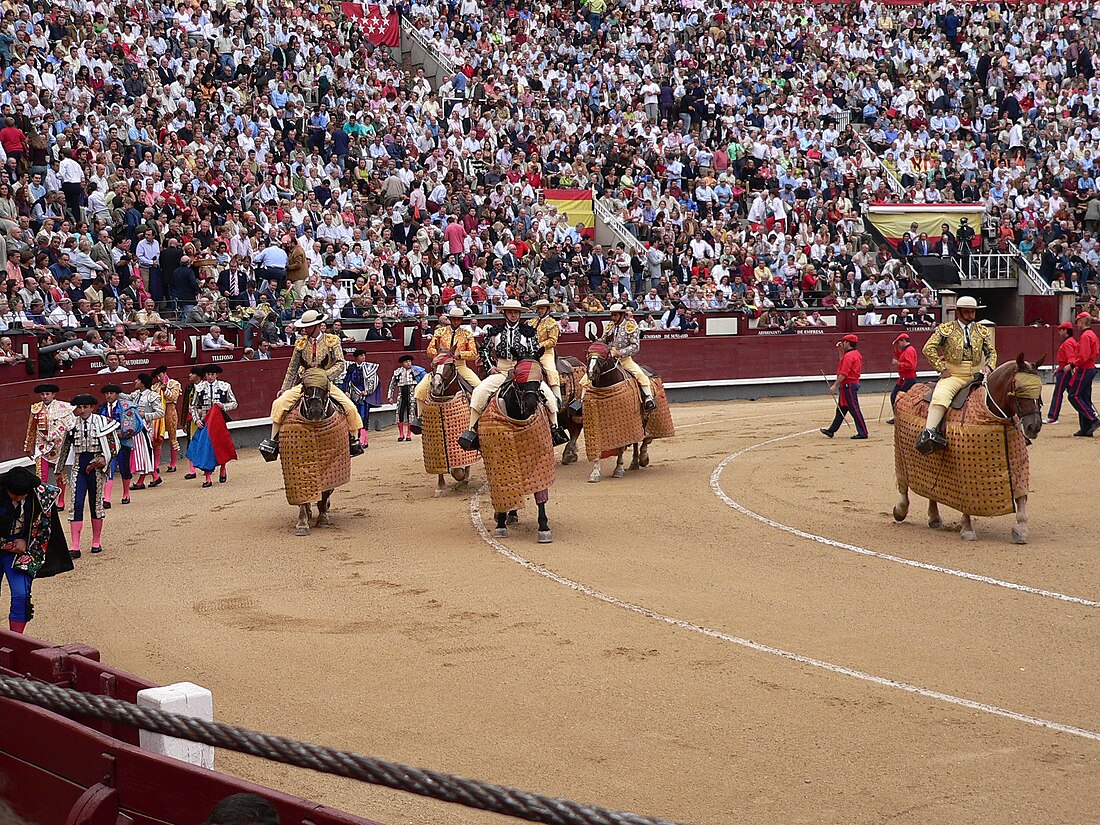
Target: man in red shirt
1064	376
847	383
905	362
1088	347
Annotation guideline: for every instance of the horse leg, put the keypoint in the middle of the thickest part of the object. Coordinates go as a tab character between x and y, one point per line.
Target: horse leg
934	520
513	516
305	513
619	472
967	533
643	453
544	524
440	487
633	457
901	509
502	526
569	454
460	474
1019	529
322	510
595	475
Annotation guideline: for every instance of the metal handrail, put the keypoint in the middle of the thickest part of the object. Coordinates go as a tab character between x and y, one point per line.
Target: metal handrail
615	223
1030	270
892	179
409	29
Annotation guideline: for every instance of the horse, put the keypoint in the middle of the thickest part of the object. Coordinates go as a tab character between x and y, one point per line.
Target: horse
569	370
984	469
448	396
628	424
314	454
518	448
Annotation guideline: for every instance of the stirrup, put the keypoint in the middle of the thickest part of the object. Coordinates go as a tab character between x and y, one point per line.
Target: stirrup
559	435
354	446
469	440
648	404
576	407
930	441
269	448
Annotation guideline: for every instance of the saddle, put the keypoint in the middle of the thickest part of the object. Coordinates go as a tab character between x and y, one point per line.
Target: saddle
959	401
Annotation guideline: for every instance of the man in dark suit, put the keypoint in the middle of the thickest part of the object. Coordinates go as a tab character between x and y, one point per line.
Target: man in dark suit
232	279
170	256
596	268
509	262
248	297
923	246
354	308
905	246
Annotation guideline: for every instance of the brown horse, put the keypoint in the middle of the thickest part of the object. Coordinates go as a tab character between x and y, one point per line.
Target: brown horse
1006	415
569	370
604	372
445	384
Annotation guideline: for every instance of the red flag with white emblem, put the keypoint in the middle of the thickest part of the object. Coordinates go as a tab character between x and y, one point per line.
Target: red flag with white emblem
381	27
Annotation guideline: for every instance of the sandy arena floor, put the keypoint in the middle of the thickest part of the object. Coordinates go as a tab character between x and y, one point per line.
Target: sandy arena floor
400	632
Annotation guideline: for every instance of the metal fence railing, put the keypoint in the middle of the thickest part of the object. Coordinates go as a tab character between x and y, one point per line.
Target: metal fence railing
615	224
1029	270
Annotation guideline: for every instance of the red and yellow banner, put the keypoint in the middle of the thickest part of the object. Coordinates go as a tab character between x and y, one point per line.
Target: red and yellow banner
895	219
575	204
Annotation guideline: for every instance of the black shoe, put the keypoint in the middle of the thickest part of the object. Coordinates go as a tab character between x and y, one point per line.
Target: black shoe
559	435
826	432
156	483
858	437
106	505
190	476
1095	426
415	425
125	500
74	554
137	486
1083	434
206	484
95	549
890	421
171	469
469	440
354	446
223	479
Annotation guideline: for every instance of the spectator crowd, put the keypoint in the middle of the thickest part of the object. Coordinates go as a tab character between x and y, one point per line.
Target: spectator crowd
220	162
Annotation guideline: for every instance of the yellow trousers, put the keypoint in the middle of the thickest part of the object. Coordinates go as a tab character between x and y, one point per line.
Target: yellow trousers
549	363
285	403
947	388
484	391
468	375
643	379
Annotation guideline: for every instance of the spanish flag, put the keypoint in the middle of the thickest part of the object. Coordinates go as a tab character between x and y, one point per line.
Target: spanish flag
576	205
893	220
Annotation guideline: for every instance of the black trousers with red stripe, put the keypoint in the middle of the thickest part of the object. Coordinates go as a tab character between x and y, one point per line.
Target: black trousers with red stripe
849	403
1062	381
1081	398
900	386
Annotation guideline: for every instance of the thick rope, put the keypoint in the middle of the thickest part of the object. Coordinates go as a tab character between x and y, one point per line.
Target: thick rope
472	793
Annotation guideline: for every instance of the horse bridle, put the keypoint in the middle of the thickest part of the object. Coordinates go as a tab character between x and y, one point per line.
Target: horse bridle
440	375
1013	393
313	395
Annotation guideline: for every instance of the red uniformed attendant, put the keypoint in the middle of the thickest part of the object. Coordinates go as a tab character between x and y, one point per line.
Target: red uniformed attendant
1088	347
1065	376
847	383
905	362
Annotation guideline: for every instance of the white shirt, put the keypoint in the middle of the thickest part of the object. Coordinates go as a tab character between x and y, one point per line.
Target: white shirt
70	171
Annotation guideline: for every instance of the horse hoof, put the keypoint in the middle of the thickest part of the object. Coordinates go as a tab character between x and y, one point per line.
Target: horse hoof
936	524
643	461
619	473
1019	536
634	465
513	517
301	531
501	532
900	513
968	535
568	458
594	478
545	537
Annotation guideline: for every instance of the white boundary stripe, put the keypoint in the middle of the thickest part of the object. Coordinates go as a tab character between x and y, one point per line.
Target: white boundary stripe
863	551
475	517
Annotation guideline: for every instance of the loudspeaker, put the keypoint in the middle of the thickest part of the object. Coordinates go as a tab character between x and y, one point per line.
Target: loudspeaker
936	270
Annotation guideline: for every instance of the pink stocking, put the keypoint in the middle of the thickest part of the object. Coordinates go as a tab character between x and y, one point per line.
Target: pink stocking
175	455
16	627
206	477
97	532
75	529
125	488
108	485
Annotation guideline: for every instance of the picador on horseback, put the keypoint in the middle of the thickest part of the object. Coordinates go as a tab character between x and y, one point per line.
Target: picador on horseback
314	349
960	350
624	337
507	343
450	337
547	331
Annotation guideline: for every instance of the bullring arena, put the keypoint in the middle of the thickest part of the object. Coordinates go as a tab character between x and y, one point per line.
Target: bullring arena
738	633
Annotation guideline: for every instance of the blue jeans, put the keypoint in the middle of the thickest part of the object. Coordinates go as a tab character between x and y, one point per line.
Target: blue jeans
20	584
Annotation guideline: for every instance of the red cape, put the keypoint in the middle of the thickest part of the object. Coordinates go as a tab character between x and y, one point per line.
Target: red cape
220	439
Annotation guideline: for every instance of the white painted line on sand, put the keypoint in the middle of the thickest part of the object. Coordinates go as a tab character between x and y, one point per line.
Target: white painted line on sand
863	551
982	707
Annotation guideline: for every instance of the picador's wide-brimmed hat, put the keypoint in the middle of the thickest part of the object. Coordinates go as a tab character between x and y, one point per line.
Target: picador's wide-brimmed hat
541	302
966	302
512	303
456	313
310	318
617	308
47	388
